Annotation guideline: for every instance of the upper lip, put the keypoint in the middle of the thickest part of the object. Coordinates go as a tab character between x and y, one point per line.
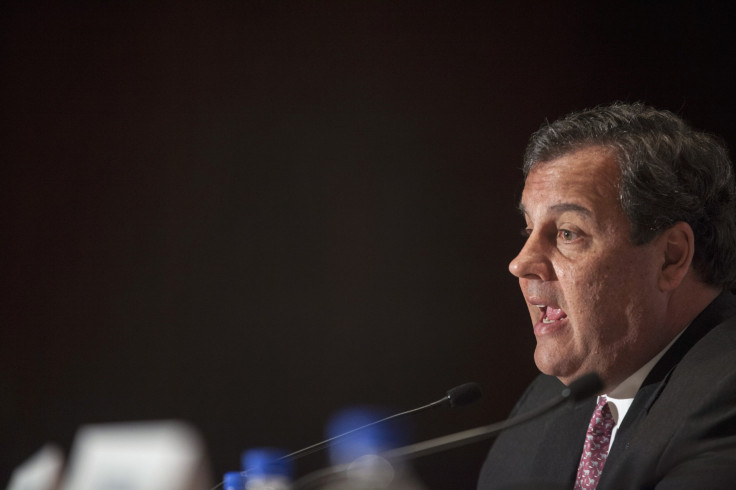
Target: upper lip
542	303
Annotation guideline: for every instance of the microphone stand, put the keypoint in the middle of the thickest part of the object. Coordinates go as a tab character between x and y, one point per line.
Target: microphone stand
425	448
579	389
458	396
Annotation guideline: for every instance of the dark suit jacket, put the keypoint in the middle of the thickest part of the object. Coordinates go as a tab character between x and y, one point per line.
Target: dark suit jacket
680	432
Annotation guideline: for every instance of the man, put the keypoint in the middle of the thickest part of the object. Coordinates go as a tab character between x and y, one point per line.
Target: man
626	270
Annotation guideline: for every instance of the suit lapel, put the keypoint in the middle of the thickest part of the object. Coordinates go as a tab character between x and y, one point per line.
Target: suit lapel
723	307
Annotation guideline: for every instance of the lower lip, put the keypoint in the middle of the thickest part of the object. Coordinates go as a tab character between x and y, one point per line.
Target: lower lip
541	328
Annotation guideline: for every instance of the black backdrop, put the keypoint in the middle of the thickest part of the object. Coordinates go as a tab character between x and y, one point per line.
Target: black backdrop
248	215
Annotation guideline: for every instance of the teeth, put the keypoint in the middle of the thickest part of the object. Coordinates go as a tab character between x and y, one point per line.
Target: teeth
544	318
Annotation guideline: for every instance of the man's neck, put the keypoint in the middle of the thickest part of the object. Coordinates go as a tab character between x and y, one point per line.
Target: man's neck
684	305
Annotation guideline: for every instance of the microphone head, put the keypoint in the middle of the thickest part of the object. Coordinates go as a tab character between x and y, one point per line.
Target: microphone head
586	385
464	394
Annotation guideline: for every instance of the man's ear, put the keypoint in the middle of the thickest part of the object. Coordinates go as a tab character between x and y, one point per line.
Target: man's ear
678	246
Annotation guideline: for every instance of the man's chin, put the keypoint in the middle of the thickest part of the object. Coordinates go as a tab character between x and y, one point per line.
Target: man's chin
560	370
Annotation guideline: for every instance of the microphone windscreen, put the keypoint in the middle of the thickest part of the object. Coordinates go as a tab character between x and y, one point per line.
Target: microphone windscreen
583	387
464	394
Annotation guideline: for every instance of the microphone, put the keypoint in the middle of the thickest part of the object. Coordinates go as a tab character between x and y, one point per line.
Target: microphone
458	396
583	387
462	395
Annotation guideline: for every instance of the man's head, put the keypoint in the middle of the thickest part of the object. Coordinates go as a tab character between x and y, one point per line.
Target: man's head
632	230
669	173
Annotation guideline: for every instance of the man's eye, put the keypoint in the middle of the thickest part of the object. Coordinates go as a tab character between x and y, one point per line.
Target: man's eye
567	235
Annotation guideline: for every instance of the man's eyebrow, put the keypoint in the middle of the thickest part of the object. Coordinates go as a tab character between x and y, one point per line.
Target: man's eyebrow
563	207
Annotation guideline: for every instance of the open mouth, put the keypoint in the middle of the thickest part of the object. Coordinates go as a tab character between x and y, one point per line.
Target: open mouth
550	314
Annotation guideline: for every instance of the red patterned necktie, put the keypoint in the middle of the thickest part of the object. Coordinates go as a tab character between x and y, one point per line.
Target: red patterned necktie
595	450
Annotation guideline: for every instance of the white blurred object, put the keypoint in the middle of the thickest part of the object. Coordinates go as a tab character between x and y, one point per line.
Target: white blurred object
167	455
39	472
370	471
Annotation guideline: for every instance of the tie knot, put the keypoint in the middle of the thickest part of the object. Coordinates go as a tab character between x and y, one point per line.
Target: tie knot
602	420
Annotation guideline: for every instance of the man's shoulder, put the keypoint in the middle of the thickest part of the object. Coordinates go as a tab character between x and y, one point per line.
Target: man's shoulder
714	354
707	371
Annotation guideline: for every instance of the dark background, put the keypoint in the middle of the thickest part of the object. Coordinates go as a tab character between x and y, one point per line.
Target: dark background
248	215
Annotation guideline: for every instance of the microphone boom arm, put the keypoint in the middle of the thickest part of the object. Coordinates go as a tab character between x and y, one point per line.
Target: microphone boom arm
333	440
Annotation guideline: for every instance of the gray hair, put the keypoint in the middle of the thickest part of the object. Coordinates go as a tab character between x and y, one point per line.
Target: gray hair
669	172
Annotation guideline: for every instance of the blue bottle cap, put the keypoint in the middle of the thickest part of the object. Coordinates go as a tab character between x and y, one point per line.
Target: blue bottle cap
233	480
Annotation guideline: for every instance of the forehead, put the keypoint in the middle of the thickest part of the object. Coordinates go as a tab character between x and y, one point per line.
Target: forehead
585	181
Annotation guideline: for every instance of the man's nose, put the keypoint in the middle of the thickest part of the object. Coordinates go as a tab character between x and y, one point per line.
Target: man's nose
532	262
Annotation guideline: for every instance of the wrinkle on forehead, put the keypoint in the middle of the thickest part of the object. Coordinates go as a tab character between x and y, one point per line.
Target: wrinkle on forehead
575	181
562	208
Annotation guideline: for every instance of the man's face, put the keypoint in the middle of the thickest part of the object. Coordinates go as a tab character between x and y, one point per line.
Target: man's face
593	297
